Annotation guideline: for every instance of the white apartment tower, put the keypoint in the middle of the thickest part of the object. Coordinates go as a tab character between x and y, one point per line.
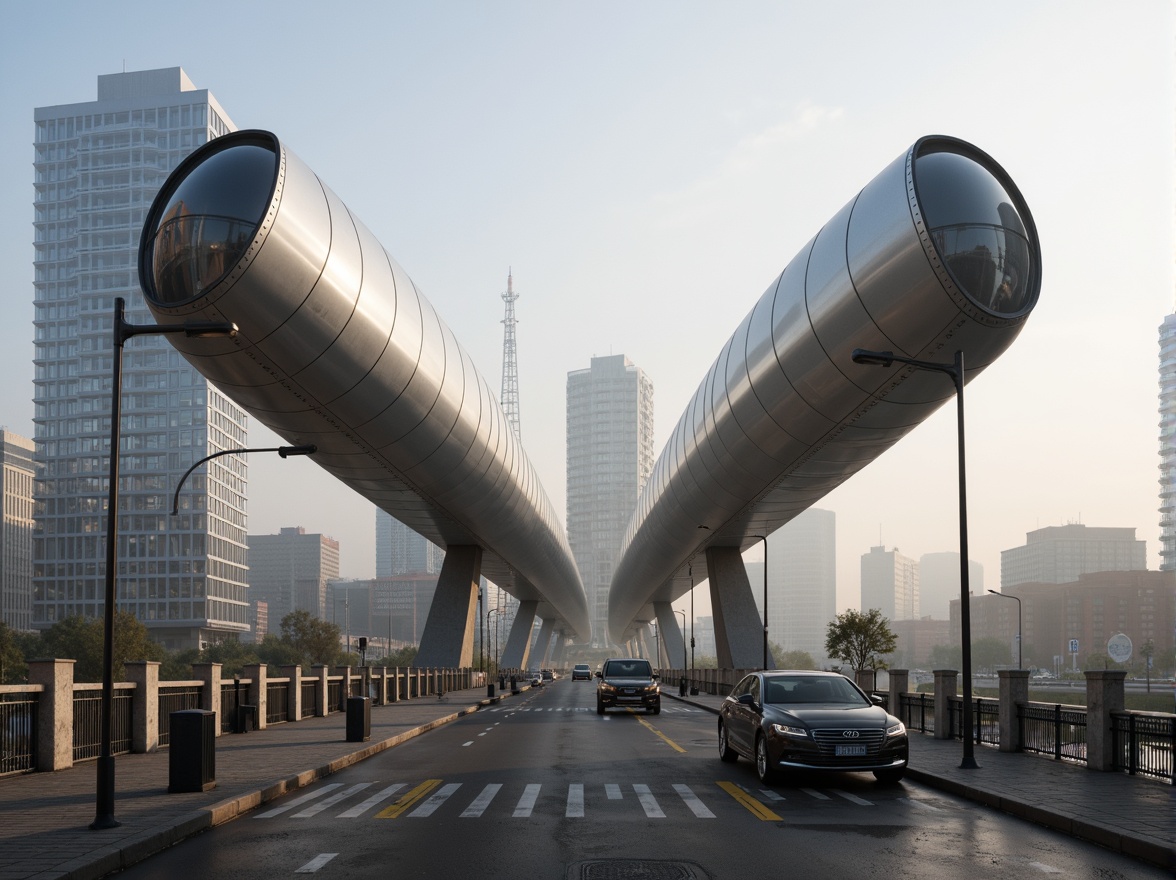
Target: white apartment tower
1060	554
802	581
609	458
1168	443
890	583
17	473
97	167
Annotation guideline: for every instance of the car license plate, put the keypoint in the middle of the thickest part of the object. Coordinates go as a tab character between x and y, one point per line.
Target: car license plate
850	751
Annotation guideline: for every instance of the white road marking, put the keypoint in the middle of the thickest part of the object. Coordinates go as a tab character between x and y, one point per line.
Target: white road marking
613	791
316	863
814	793
1046	869
299	801
315	809
430	806
575	808
852	797
914	802
527	801
697	807
648	802
482	801
359	809
470	743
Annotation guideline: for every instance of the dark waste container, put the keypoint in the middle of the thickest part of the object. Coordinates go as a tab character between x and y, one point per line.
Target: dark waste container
490	689
246	719
682	687
192	758
514	685
359	719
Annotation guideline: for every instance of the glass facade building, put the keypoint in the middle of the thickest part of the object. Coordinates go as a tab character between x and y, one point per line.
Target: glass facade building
97	167
400	550
17	473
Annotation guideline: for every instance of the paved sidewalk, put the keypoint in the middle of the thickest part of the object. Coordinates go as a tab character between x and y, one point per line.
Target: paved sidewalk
1131	815
44	832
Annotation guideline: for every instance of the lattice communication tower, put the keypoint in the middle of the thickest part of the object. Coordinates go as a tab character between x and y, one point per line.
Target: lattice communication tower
510	366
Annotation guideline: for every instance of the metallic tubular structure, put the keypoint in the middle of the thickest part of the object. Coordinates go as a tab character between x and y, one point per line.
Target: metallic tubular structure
938	253
338	348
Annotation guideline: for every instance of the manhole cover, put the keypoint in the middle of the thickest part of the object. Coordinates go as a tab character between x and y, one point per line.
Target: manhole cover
635	869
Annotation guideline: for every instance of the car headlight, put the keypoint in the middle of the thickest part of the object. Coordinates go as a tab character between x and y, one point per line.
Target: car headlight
896	729
652	689
787	730
607	688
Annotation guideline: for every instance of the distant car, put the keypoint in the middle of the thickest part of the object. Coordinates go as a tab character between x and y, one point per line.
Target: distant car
803	720
535	678
548	674
581	672
626	682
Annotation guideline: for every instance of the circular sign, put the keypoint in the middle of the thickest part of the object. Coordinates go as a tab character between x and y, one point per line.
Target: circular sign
1119	648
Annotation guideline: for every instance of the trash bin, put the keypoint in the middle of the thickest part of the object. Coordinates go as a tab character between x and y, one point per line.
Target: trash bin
246	719
682	687
514	685
192	758
359	719
490	689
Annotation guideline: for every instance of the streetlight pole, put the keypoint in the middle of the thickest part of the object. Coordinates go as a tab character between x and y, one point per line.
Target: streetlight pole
495	647
1019	640
765	540
693	619
955	371
283	451
104	805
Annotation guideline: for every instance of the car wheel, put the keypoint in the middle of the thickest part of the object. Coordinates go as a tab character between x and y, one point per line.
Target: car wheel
726	754
890	777
599	708
763	766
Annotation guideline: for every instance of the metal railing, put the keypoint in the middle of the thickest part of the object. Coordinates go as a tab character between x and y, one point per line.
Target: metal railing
1055	730
309	697
1144	743
985	720
18	733
334	695
277	696
233	695
87	722
917	712
175	699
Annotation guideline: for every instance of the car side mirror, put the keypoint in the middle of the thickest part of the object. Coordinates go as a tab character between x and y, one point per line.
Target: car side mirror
655	676
747	699
598	673
876	700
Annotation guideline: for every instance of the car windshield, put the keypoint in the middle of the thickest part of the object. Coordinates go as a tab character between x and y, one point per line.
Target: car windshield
811	689
627	669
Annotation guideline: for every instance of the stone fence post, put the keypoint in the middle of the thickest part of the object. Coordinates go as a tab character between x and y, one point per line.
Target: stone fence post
54	712
323	692
257	690
293	692
210	691
144	704
1014	689
1104	696
945	688
899	683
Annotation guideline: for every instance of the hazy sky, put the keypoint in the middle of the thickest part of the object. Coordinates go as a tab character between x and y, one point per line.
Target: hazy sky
647	169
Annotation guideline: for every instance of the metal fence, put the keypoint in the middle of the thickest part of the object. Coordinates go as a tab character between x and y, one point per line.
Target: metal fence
1055	730
175	699
18	733
334	695
1144	743
985	720
232	696
87	723
309	697
917	712
277	698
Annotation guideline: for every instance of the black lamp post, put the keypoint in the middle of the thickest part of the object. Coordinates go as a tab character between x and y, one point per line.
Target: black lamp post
765	540
283	451
104	808
955	370
693	623
1018	598
495	646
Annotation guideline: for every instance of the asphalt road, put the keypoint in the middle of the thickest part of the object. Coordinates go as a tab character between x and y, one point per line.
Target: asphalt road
540	787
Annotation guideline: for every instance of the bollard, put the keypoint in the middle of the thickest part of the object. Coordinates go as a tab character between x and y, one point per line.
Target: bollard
514	685
490	690
682	687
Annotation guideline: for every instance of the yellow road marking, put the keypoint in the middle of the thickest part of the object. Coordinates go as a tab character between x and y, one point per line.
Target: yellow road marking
673	745
753	806
408	799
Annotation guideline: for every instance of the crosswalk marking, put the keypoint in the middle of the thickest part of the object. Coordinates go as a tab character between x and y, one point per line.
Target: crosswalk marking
316	863
407	800
697	807
315	809
811	793
575	808
430	806
379	797
746	800
482	801
613	791
648	802
915	802
527	802
299	801
852	797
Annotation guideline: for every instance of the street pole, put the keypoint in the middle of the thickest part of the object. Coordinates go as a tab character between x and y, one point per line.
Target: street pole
1019	639
765	540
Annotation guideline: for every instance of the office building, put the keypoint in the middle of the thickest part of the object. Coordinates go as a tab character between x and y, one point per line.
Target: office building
400	550
802	582
939	582
17	474
292	571
1168	444
97	166
1061	554
890	583
609	458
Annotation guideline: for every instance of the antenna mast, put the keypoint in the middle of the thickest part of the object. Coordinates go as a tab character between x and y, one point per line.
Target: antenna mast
510	367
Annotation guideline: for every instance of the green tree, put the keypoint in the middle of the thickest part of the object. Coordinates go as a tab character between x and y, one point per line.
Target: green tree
946	657
12	659
83	639
400	657
860	639
988	653
793	659
316	641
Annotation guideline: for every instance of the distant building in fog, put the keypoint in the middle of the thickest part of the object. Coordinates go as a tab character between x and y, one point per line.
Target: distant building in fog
916	638
1168	444
291	571
802	582
400	550
890	583
1061	554
939	582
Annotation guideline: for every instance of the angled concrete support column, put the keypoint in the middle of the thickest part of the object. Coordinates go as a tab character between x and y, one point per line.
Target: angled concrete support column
518	643
739	631
448	639
542	647
673	644
560	650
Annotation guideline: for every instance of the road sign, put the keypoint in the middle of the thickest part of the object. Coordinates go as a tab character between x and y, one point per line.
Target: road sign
1073	646
1119	648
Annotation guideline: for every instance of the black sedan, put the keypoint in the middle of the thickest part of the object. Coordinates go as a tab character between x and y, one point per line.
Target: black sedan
801	720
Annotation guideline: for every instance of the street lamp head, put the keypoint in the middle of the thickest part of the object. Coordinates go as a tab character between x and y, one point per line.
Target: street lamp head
209	329
875	358
308	449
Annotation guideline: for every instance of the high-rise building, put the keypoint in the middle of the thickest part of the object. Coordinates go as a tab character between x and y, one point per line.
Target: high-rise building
802	581
1060	554
609	458
1168	444
17	473
292	571
97	166
939	582
400	550
890	583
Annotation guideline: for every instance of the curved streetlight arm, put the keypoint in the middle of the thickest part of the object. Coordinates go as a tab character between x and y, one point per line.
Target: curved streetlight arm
283	451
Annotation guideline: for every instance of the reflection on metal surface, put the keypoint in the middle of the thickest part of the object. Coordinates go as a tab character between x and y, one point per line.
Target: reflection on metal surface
338	348
938	253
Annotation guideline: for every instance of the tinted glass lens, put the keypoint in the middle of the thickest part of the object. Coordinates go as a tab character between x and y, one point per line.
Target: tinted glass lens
977	231
210	220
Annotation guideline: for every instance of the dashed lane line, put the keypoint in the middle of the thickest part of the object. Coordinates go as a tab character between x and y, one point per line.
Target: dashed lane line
316	863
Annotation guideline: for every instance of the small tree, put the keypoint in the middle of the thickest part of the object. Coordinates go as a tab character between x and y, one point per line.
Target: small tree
316	641
860	638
